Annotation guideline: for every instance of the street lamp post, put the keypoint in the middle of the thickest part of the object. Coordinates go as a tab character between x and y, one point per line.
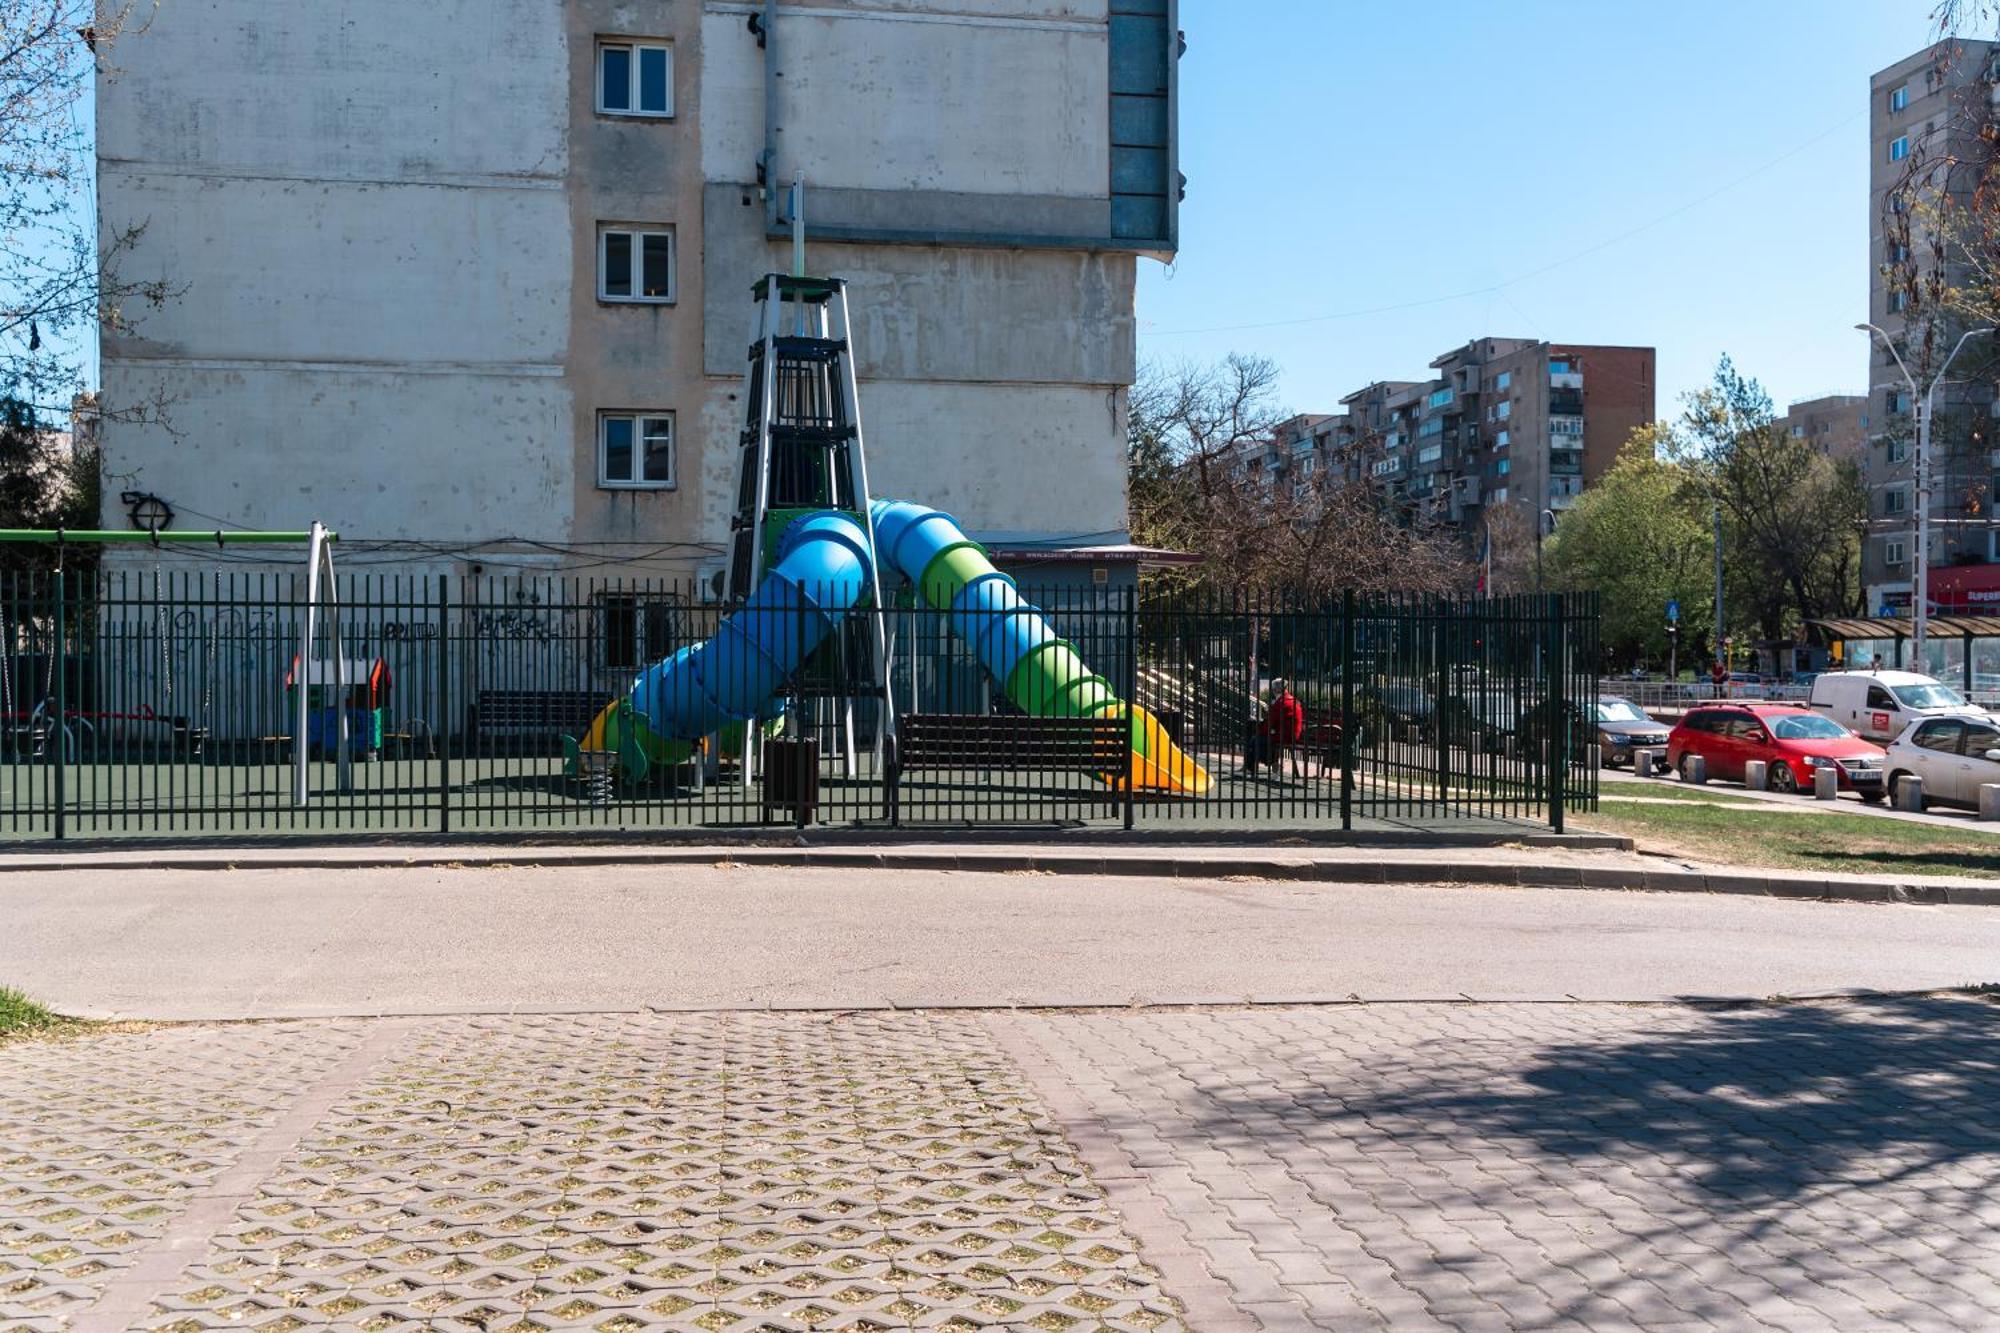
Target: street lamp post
1920	554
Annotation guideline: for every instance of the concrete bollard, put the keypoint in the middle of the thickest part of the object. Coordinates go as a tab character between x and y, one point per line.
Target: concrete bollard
1694	769
1909	794
1989	801
1756	775
1826	784
1645	763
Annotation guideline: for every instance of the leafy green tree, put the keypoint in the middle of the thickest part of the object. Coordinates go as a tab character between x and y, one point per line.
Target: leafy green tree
1638	538
1792	515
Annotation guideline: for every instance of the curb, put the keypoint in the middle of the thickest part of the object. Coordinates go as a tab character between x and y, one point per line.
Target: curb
1249	866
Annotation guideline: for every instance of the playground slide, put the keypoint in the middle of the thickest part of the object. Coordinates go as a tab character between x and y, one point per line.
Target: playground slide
1039	672
711	688
824	564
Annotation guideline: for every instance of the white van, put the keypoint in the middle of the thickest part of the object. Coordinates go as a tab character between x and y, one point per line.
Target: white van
1880	705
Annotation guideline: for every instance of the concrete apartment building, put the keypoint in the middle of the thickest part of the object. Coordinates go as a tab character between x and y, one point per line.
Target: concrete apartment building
470	280
1503	421
1835	424
1926	112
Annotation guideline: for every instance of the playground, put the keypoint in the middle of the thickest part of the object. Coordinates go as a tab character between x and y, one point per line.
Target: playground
864	663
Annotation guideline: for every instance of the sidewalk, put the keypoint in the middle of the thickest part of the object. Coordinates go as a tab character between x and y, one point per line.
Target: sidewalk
465	937
1369	1167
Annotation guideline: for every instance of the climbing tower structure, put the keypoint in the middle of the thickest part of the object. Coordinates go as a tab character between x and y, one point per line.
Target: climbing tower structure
803	454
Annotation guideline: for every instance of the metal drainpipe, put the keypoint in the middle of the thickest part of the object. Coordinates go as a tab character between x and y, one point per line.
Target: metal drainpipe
768	167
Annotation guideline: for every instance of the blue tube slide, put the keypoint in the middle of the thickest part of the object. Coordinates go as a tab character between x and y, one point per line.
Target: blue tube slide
824	565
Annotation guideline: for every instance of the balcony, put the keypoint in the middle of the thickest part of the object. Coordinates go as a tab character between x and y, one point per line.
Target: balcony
1565	402
1566	462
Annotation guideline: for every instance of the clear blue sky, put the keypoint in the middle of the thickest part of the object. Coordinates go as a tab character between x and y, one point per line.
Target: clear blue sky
1349	155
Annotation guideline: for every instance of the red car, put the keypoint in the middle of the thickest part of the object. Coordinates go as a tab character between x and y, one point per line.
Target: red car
1793	741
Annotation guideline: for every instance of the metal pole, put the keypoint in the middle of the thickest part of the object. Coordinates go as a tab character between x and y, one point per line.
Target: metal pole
442	730
1349	724
124	537
61	733
1920	557
1920	552
1721	654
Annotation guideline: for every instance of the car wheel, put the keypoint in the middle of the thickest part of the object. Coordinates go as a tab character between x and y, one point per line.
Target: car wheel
1889	785
1783	780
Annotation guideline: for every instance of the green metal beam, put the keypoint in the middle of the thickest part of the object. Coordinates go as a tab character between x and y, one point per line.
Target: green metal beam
84	537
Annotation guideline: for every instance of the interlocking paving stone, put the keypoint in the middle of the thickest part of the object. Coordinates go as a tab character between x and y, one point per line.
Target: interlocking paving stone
104	1140
722	1172
1533	1166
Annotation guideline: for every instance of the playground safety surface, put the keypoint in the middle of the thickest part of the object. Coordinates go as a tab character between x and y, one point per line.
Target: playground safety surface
1828	1165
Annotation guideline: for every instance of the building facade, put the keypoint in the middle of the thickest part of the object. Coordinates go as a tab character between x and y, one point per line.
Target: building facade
1927	115
1834	424
1502	421
470	280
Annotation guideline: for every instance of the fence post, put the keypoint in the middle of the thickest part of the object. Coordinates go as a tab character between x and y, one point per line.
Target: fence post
1131	688
1349	724
442	728
1558	727
59	736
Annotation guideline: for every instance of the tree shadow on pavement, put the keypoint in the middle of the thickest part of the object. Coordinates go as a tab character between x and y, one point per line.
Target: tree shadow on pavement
1757	1104
1838	1161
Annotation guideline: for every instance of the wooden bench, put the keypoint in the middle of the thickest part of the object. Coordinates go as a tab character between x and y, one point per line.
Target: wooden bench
1008	743
547	712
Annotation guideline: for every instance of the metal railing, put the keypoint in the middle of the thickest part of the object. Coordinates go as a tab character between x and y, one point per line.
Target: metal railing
143	704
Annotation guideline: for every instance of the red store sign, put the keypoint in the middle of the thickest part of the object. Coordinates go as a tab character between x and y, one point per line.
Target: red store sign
1971	589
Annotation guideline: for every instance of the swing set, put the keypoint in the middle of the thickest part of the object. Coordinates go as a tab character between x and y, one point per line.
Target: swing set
52	718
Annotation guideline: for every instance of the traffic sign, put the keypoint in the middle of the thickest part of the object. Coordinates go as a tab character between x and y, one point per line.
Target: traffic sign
1673	613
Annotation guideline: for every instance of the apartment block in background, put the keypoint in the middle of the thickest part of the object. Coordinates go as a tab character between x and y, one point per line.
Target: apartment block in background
1835	424
1503	421
470	280
1927	112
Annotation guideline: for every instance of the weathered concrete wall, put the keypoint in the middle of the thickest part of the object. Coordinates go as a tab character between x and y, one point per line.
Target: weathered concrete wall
374	453
362	206
994	97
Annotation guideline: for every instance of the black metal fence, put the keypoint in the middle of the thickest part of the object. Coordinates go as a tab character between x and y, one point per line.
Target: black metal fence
161	704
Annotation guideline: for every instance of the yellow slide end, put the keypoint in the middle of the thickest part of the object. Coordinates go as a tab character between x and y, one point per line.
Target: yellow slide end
1164	766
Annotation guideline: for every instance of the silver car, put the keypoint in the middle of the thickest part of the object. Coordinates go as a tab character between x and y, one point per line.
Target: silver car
1955	756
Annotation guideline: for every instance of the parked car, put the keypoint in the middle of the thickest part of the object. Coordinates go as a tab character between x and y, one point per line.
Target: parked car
1623	726
1794	741
1953	755
1881	705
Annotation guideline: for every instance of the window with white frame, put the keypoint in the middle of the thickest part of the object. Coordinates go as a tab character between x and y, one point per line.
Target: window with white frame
1897	450
635	265
1899	301
1895	501
1895	551
1899	148
1502	381
635	450
1503	410
635	79
1899	98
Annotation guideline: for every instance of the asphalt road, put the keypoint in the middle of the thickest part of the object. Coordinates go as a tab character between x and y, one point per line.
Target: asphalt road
276	943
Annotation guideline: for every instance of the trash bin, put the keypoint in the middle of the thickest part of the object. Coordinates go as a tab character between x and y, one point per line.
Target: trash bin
791	777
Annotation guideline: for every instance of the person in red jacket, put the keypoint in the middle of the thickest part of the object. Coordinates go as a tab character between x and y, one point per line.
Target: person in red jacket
1283	727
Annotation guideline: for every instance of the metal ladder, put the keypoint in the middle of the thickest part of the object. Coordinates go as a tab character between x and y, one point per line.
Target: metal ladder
802	450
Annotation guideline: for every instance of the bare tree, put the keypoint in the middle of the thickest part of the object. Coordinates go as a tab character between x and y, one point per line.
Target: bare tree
59	279
1202	449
